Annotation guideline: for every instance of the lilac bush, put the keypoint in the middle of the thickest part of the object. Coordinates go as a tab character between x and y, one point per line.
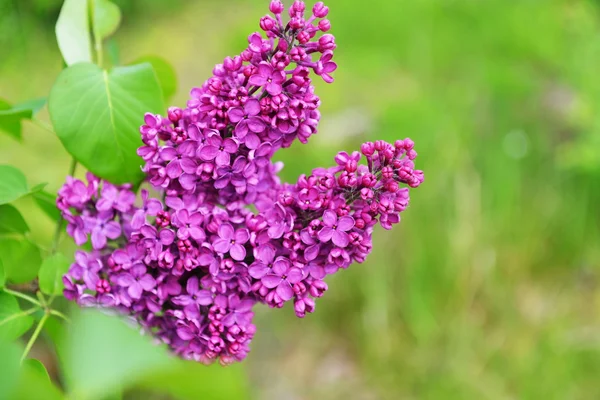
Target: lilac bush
218	232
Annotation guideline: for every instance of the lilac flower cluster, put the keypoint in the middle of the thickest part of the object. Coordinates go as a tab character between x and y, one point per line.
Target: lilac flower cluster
191	266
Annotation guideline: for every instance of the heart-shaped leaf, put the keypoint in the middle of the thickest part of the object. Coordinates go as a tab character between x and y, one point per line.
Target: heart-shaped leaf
121	355
35	383
73	32
21	259
11	220
96	115
106	19
9	368
164	72
11	116
51	272
13	321
47	203
12	184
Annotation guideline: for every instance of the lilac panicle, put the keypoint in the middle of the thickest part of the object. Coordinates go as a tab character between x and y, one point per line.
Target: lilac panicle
190	259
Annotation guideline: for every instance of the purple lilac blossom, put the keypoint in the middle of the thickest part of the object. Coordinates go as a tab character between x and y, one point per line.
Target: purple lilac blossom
189	260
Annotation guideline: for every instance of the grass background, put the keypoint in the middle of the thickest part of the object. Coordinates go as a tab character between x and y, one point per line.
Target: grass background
489	286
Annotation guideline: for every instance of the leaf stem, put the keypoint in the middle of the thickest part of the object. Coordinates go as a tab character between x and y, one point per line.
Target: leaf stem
34	337
43	124
60	315
23	296
60	222
18	315
41	298
97	38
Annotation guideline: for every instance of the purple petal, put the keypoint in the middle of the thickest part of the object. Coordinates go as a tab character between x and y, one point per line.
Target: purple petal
265	69
242	235
281	266
230	145
285	291
147	282
265	253
185	333
182	300
125	280
229	319
174	169
295	275
329	218
208	153
226	231
257	80
311	252
167	236
222	158
174	202
271	280
238	252
192	285
204	297
135	290
236	114
241	130
112	229
98	239
197	233
252	107
168	153
325	234
345	223
188	166
139	219
340	239
120	256
257	271
256	125
222	246
274	88
188	181
252	141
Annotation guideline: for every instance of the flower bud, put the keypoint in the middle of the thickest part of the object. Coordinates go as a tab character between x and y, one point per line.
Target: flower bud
324	25
267	23
320	10
276	7
327	42
174	114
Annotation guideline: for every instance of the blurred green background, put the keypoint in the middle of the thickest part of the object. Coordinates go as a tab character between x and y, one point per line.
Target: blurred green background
488	289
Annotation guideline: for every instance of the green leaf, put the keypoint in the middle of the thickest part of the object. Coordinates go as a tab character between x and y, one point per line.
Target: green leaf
112	50
51	272
73	32
21	259
106	19
97	114
13	321
11	116
121	355
190	380
164	72
2	275
10	354
47	203
11	220
35	383
12	184
38	187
